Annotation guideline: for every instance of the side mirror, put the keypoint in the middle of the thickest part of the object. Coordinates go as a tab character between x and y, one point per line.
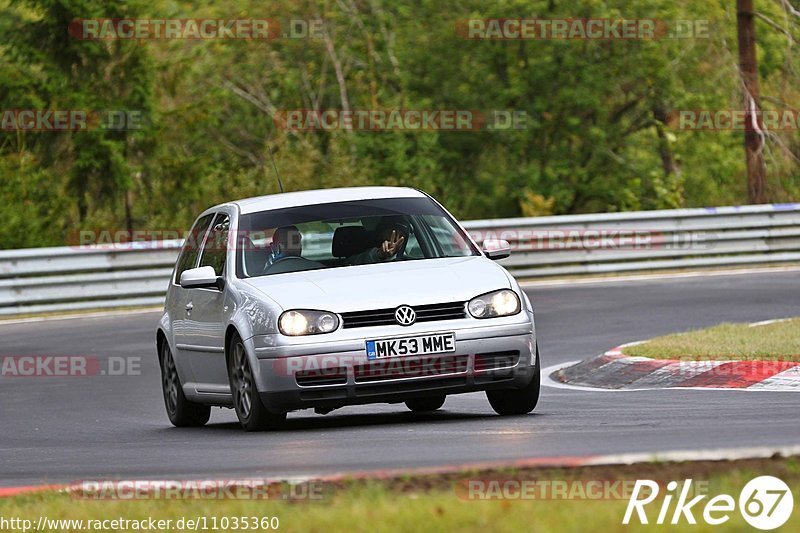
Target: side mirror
496	249
201	278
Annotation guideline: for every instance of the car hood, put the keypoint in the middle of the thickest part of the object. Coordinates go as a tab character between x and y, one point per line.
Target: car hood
384	285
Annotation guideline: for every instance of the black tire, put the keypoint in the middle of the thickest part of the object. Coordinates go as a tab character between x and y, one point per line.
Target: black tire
522	401
181	412
421	405
252	414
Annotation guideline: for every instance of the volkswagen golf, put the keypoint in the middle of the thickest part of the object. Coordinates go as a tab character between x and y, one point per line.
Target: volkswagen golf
322	299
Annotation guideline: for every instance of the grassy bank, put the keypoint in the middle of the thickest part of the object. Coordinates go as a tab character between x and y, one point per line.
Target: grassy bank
438	503
770	342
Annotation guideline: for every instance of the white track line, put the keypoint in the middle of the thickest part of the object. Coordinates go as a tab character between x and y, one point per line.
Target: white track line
768	322
721	454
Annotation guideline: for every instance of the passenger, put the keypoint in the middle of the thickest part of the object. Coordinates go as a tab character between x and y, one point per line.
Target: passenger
390	241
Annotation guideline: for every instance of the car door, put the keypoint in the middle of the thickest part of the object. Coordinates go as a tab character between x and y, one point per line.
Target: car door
204	327
178	296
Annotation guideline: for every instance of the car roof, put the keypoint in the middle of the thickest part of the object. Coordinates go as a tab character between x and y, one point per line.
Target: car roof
322	196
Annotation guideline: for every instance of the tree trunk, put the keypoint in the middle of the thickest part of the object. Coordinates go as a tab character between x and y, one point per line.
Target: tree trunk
668	161
128	213
753	134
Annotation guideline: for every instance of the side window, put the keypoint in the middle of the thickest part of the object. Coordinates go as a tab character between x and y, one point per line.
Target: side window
216	248
191	247
446	238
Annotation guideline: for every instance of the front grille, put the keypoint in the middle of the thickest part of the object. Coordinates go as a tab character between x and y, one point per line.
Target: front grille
400	368
324	376
385	317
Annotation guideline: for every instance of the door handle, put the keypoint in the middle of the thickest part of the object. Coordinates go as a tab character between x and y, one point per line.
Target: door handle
189	306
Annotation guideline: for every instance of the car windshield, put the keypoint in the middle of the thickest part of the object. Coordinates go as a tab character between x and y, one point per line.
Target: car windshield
345	234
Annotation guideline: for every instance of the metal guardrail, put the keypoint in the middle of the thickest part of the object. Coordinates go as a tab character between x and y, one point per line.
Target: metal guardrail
39	280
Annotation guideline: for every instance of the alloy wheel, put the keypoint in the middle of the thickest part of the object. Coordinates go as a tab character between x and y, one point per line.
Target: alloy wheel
242	381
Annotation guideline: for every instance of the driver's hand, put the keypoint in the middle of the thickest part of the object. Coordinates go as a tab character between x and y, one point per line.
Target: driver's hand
388	248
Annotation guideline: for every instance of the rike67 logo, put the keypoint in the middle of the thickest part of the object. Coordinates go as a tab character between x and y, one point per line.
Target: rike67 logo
765	503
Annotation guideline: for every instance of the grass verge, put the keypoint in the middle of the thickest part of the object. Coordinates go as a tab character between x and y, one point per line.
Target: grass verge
440	503
779	341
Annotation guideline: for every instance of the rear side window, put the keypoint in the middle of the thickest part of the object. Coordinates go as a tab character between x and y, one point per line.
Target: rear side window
215	249
191	247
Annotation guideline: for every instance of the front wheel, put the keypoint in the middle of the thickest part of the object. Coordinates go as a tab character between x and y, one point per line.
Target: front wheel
181	412
517	401
252	414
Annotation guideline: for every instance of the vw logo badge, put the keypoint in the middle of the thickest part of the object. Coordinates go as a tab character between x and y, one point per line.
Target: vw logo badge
405	316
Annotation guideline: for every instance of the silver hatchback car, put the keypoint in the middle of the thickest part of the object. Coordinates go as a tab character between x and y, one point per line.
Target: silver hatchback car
321	299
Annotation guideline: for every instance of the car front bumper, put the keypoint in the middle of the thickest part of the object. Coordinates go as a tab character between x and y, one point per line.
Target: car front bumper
333	373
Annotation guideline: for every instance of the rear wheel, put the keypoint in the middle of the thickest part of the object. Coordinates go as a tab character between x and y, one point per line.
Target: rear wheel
181	412
421	405
517	401
252	413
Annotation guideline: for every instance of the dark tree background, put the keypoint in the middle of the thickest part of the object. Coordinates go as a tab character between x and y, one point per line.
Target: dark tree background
598	136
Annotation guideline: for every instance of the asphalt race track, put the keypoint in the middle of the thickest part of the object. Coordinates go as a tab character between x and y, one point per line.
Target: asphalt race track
96	427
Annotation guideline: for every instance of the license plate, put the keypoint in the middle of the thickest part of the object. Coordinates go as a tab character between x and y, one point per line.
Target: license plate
405	346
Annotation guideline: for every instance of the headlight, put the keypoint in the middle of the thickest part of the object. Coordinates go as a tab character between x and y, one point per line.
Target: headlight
303	322
504	302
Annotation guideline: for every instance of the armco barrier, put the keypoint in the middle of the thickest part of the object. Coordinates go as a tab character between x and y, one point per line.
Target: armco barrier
70	278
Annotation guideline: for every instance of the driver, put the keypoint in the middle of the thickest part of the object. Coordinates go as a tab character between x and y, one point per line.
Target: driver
390	241
286	242
287	245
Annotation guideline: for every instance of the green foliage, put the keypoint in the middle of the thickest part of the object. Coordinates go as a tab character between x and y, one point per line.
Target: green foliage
31	195
597	133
